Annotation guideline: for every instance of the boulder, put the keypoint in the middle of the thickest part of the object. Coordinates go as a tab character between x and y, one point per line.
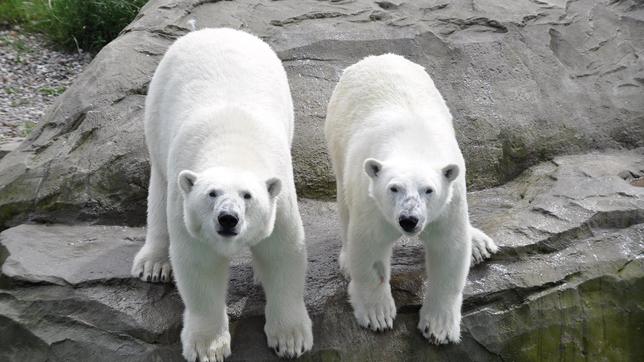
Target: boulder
568	282
525	80
9	144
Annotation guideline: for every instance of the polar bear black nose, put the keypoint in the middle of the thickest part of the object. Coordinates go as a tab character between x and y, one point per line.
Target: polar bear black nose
408	223
227	220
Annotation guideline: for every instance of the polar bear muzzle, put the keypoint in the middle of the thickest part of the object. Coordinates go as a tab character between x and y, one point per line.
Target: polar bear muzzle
408	223
227	222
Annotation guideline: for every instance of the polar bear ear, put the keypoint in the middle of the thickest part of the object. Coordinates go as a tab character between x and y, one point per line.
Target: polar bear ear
372	167
451	172
274	186
187	180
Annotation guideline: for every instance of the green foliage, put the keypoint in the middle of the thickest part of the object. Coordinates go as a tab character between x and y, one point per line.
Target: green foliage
49	91
26	128
85	24
12	12
17	44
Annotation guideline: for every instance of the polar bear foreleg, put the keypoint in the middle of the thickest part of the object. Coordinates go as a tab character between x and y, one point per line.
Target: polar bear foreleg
447	261
202	279
368	260
152	262
280	265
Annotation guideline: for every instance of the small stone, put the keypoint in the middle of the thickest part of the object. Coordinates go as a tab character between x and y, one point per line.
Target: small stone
639	182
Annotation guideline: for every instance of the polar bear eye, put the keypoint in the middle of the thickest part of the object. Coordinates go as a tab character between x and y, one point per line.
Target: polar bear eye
247	196
212	194
393	189
429	191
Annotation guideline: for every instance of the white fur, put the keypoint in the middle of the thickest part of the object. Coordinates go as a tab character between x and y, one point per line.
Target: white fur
482	246
219	125
395	155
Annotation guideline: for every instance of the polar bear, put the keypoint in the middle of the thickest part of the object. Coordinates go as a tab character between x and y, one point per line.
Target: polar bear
399	171
219	127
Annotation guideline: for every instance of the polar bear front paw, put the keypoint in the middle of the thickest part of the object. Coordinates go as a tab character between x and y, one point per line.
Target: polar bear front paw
290	340
205	347
152	265
440	327
482	246
377	311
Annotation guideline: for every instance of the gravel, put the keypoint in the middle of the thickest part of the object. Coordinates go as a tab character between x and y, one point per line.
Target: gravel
32	75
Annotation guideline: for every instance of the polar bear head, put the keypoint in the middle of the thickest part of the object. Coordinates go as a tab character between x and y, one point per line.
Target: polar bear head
409	196
228	208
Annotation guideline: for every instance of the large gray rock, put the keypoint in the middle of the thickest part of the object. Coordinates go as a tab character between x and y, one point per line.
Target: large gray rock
525	80
568	282
9	144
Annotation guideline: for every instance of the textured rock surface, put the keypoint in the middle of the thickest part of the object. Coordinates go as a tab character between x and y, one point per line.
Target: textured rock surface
568	282
9	144
526	80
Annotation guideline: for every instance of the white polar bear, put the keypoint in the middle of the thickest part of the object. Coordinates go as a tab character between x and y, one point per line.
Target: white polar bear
399	171
219	126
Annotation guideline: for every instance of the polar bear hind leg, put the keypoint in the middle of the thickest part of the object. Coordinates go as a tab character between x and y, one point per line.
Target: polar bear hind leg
343	212
483	247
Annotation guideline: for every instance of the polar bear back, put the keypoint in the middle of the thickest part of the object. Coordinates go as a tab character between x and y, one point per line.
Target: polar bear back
209	68
385	95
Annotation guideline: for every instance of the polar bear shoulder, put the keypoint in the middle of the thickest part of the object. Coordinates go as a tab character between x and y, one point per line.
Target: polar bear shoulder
390	100
377	82
214	69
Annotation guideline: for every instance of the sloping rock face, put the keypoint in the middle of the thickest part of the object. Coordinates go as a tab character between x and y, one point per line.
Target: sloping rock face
525	80
567	284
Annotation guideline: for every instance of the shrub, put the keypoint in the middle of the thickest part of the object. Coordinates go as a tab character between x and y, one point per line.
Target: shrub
86	24
14	12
